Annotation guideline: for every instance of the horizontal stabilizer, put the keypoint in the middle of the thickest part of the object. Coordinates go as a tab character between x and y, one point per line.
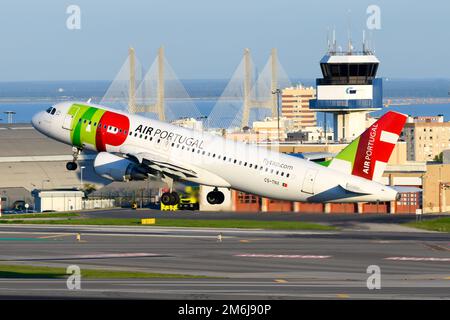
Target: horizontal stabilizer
354	188
403	189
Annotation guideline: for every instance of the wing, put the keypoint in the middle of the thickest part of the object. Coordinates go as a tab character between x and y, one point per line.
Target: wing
166	165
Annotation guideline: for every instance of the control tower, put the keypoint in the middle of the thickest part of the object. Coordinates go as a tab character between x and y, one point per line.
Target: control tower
348	90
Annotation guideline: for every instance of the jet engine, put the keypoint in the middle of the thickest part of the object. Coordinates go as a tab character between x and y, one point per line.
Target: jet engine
118	168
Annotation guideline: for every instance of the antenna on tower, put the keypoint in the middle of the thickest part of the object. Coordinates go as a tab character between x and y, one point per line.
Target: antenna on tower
350	46
328	40
364	41
334	40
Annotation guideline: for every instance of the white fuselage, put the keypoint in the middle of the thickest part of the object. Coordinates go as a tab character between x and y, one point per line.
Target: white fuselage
221	162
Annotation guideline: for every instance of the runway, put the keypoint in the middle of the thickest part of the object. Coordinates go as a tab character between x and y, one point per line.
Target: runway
247	264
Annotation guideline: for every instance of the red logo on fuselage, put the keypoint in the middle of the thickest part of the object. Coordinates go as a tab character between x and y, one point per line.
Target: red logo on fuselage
113	130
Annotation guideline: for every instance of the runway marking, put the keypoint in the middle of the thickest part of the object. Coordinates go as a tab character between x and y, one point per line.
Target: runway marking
288	256
22	239
86	256
417	259
280	281
343	295
436	247
90	233
57	236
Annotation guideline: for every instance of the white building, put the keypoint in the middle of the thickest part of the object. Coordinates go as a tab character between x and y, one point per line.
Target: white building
189	123
58	200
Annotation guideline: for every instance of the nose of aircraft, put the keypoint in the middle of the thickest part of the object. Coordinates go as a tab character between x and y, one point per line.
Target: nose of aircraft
37	119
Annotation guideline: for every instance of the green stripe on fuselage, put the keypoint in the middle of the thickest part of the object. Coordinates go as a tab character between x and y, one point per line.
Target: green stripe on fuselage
80	133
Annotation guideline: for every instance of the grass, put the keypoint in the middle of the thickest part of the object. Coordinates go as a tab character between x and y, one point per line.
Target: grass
438	224
229	223
38	215
42	272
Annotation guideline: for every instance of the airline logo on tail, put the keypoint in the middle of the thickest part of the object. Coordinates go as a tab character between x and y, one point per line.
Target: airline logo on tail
368	155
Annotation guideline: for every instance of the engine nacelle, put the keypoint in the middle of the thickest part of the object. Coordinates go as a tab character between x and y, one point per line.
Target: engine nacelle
118	168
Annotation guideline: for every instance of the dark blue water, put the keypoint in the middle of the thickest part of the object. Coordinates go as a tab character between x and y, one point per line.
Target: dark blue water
27	98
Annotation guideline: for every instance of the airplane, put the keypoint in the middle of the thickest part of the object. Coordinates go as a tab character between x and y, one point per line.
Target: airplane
133	147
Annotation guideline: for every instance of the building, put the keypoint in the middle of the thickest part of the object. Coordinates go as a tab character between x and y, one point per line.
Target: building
263	131
311	135
349	90
295	106
426	139
273	129
420	119
58	200
189	123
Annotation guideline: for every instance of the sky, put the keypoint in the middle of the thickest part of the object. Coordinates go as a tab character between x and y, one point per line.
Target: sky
204	39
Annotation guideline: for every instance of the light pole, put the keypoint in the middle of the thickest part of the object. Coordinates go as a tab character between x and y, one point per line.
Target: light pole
278	92
81	175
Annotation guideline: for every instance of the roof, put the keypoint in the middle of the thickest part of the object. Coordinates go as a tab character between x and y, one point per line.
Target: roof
349	59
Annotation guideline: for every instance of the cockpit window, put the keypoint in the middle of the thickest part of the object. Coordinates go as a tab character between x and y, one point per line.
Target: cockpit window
48	110
53	111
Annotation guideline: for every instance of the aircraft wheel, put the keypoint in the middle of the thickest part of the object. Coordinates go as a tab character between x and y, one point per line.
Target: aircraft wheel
71	166
170	198
215	197
175	198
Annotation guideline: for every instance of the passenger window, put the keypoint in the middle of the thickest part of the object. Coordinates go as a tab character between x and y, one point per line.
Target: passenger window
287	175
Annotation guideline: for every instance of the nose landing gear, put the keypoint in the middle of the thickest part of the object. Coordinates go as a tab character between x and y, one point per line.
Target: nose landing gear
72	165
215	197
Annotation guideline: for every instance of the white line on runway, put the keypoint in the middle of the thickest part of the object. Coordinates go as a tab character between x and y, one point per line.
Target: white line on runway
417	259
85	256
120	234
143	229
288	256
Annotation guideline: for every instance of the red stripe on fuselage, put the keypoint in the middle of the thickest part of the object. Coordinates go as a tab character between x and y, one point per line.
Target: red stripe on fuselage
116	138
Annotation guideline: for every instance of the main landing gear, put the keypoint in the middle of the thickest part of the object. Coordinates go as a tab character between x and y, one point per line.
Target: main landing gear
170	198
72	165
215	197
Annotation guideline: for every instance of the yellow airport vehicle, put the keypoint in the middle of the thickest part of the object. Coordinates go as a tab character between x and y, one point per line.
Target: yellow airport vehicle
189	200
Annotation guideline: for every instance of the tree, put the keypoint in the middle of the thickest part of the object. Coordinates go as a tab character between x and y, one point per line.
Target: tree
439	157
